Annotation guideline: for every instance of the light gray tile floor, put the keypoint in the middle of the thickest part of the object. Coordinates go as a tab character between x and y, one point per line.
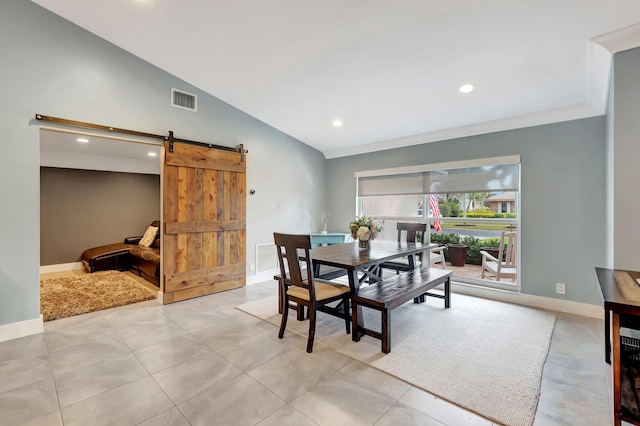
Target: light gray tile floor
203	362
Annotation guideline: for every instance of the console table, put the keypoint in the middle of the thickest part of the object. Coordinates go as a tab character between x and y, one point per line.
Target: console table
320	239
621	296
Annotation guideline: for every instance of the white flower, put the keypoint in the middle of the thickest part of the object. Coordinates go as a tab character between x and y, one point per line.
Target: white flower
363	233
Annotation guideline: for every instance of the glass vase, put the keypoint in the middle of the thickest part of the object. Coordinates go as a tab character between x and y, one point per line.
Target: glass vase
363	244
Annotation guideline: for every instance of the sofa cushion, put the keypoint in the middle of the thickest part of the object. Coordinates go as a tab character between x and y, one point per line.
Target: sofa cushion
149	236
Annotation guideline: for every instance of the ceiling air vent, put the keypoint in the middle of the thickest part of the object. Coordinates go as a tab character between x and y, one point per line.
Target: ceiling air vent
184	100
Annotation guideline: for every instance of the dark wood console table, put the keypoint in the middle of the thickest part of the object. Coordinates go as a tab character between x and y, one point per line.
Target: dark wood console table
620	299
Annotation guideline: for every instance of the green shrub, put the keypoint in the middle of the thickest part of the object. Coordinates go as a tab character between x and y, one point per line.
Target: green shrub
475	245
454	204
445	210
473	252
444	240
483	214
504	215
491	242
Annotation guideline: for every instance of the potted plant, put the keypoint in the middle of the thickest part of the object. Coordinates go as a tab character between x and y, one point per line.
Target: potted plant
491	246
457	254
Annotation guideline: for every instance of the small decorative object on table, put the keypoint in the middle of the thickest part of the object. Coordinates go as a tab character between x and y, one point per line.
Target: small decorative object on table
364	229
324	218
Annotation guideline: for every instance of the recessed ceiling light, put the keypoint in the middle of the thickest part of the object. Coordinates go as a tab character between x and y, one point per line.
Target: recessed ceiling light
152	154
82	140
466	88
337	123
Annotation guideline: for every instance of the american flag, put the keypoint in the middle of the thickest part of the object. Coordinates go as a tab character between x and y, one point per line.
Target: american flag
435	211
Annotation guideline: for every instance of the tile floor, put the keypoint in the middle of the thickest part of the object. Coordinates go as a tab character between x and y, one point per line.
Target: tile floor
203	362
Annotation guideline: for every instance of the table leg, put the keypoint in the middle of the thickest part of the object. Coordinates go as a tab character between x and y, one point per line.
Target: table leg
356	313
616	370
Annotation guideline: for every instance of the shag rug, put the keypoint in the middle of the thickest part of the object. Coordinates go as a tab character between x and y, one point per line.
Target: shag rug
66	297
483	355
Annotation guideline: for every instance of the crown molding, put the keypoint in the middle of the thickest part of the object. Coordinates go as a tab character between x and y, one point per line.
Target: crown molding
619	40
572	113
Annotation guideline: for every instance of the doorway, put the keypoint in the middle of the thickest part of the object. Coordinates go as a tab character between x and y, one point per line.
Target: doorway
94	191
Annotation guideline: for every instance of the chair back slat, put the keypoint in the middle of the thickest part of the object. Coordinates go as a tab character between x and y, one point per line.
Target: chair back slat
510	249
507	250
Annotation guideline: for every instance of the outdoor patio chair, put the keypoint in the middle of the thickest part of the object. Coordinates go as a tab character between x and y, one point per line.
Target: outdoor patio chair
436	256
303	288
505	265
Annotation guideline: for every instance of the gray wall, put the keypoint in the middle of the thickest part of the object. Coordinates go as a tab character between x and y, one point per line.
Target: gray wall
626	160
562	195
80	209
52	67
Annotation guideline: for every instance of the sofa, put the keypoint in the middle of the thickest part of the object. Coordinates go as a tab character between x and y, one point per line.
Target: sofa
140	254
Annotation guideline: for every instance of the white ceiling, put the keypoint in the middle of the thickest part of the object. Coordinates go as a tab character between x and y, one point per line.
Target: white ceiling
61	148
389	69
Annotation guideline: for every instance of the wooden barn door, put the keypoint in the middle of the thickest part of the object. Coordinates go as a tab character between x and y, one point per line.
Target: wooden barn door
204	221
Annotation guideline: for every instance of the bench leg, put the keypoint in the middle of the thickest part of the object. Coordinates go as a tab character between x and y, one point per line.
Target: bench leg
386	331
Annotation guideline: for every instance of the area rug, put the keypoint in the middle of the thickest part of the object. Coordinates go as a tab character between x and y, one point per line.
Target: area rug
66	297
483	355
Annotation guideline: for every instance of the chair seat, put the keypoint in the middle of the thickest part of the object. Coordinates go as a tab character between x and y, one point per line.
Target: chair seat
493	267
324	290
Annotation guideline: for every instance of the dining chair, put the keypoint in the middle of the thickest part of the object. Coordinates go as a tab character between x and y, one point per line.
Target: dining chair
413	232
305	290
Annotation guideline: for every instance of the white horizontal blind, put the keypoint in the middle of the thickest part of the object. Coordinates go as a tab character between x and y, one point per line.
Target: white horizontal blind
406	184
502	177
486	178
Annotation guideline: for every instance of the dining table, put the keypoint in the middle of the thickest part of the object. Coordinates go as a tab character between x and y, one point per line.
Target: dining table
363	264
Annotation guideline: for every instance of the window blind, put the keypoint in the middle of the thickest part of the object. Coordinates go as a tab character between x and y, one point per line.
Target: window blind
498	177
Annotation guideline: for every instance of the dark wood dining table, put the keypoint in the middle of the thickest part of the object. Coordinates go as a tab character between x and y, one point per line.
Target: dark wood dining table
621	296
364	264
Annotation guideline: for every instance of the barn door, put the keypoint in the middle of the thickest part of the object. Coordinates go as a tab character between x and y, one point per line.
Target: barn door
204	228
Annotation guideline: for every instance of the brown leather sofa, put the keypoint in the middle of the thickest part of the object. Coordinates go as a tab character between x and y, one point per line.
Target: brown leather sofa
128	255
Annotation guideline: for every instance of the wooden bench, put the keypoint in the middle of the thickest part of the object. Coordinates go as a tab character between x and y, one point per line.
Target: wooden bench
326	273
392	292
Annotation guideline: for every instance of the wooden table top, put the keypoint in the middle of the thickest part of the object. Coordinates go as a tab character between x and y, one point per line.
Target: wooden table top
350	256
611	292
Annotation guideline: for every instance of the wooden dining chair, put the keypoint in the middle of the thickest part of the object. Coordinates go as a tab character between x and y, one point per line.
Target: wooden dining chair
413	232
305	290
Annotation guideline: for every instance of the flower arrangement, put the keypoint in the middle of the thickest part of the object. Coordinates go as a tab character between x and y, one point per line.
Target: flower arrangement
364	228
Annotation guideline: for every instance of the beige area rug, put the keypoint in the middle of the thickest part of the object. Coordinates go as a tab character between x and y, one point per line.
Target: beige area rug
66	297
483	355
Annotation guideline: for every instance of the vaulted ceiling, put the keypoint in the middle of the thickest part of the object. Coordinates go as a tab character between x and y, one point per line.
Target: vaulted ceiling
389	70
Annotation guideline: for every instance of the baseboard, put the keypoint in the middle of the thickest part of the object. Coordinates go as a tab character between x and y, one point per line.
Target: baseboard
262	277
16	330
566	306
557	305
46	269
